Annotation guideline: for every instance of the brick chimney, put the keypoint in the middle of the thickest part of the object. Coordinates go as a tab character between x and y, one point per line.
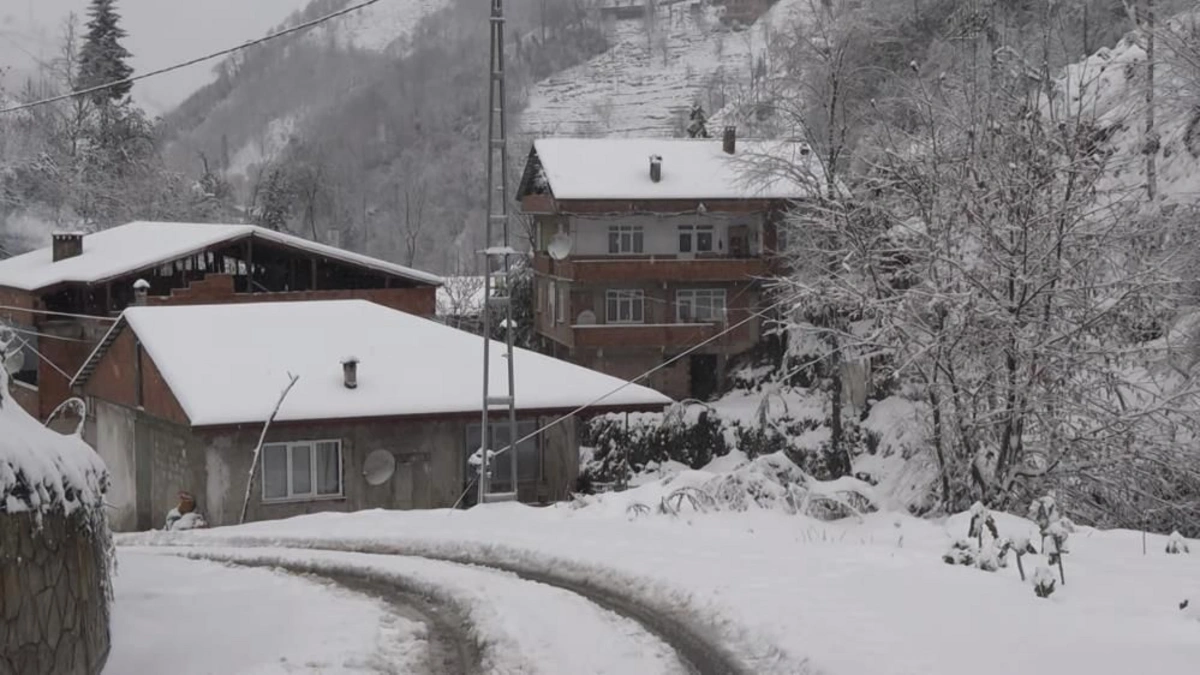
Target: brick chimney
729	140
66	245
655	168
350	372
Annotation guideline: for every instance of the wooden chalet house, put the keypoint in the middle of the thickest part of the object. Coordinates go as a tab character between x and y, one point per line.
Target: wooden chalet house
646	247
62	300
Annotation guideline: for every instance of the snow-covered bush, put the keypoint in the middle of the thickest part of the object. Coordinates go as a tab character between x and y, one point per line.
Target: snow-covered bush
981	518
625	446
1021	546
1043	581
1176	544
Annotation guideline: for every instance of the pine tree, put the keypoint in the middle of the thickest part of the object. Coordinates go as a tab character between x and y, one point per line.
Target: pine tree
698	122
103	60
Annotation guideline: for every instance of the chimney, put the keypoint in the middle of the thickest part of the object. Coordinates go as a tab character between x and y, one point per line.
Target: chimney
350	372
655	168
67	245
729	140
141	288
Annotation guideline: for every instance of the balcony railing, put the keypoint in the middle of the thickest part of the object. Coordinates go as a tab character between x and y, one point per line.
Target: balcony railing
643	334
619	269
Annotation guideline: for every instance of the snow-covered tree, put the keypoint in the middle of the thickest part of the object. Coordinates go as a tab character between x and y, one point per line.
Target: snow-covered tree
697	122
103	60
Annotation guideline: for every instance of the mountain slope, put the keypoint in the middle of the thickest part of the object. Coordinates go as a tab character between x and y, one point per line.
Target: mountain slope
646	82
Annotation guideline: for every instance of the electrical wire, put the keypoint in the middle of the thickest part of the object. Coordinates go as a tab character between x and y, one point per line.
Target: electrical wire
756	315
201	59
45	312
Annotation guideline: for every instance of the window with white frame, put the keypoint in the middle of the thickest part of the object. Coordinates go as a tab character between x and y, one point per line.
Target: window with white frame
696	238
700	305
625	239
301	470
625	306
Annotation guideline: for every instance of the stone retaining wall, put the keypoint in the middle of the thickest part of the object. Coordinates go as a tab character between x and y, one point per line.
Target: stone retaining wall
53	596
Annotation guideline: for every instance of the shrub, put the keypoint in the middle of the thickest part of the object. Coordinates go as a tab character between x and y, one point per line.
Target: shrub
1176	544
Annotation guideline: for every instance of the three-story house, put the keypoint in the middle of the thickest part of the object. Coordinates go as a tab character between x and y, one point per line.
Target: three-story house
645	248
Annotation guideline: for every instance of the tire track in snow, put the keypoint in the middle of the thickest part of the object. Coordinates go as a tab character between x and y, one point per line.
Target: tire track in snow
450	649
513	623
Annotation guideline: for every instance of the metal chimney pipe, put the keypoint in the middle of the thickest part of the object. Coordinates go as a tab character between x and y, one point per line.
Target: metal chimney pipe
729	140
350	372
141	289
655	168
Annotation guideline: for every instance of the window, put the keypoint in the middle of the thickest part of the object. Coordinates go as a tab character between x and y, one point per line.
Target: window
305	469
625	239
529	456
695	238
700	305
625	306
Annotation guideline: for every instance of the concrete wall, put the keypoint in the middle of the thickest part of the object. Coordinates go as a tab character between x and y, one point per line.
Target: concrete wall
53	608
152	459
112	432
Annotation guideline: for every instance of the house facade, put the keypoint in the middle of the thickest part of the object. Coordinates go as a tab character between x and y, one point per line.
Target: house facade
646	248
176	405
63	299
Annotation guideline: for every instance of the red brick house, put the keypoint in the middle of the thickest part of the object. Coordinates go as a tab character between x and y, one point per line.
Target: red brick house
661	244
176	405
63	299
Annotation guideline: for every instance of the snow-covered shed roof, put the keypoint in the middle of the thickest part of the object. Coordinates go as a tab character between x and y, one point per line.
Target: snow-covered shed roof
619	168
408	366
143	245
42	470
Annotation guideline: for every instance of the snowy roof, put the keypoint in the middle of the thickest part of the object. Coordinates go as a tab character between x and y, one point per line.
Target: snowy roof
619	168
41	469
408	365
142	245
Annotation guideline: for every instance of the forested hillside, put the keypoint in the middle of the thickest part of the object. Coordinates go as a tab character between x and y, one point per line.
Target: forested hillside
341	130
1004	242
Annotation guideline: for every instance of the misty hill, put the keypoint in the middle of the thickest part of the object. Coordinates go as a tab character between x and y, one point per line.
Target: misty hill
370	125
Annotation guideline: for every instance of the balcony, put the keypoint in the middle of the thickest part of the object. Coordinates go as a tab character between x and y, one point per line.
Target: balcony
643	335
603	270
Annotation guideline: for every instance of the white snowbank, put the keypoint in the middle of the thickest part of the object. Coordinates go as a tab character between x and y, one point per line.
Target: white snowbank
40	469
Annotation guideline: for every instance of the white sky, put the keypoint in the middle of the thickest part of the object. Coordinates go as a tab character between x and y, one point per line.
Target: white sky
161	32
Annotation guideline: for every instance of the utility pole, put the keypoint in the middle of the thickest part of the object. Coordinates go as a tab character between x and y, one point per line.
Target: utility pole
497	257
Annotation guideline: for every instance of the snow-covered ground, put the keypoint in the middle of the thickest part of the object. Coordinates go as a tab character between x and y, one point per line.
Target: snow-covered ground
523	627
190	617
792	594
642	86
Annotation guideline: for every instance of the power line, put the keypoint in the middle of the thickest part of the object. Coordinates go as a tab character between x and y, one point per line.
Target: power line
599	399
49	313
207	57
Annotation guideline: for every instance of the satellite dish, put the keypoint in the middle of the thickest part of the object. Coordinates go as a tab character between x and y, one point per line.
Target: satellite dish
560	246
14	362
586	318
379	467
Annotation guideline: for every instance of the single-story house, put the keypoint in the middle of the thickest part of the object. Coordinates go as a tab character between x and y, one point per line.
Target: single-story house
178	396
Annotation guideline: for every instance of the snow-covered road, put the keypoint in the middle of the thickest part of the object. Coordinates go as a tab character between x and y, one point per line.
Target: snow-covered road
188	617
518	626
